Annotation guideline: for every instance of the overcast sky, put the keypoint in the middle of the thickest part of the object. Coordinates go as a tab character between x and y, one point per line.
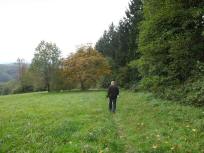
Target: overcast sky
68	23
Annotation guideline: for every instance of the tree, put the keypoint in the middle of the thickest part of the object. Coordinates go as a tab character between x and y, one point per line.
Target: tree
171	40
86	66
23	76
21	68
108	43
121	43
46	62
134	16
171	47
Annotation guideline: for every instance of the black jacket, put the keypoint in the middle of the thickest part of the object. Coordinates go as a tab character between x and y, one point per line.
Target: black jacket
113	92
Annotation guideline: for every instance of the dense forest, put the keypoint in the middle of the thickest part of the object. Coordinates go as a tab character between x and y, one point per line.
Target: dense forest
158	46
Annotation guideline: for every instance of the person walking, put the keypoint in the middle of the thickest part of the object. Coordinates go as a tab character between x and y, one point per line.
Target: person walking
113	92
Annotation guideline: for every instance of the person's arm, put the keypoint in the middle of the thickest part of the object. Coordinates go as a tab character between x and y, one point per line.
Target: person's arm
118	91
108	92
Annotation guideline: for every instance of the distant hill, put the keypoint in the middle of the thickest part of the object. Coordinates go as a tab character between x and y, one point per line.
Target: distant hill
8	72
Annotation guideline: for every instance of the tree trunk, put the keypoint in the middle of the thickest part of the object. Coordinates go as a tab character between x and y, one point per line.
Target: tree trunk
82	85
48	87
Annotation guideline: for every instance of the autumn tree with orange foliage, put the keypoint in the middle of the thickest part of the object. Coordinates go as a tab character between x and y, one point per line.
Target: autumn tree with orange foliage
86	66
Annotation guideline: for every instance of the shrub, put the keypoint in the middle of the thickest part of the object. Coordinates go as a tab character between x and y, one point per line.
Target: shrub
150	83
195	92
190	92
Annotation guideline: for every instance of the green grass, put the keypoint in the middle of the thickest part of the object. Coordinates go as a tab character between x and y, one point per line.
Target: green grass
80	122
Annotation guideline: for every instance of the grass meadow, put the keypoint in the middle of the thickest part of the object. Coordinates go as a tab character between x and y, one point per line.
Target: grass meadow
79	122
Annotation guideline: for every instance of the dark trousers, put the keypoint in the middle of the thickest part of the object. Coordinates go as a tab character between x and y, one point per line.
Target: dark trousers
112	105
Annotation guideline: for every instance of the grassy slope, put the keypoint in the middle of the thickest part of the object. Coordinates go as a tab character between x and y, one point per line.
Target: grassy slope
80	122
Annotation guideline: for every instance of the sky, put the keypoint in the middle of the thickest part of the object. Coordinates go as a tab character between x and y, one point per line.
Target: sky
68	23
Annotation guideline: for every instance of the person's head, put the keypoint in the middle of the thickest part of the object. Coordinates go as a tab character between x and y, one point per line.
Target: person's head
112	83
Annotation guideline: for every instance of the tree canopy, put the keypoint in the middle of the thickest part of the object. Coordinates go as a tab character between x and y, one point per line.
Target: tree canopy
86	66
46	62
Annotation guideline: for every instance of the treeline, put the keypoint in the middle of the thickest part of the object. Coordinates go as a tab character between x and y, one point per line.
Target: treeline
48	71
159	46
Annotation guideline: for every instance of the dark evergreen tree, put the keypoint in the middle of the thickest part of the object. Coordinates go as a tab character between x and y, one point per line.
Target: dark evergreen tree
121	43
134	15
